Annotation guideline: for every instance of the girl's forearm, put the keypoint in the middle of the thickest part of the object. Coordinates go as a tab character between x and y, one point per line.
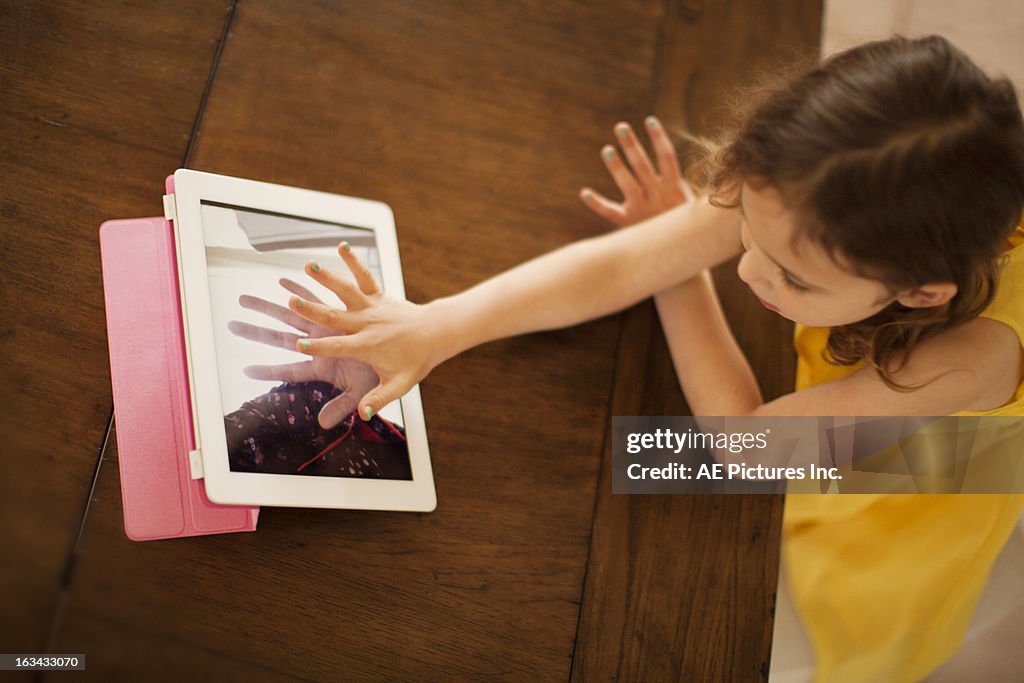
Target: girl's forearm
713	372
590	278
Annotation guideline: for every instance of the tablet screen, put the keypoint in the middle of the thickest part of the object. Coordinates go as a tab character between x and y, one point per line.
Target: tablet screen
272	395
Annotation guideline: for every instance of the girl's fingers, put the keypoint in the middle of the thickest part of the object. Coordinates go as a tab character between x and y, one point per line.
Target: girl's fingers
362	274
263	335
347	291
348	346
303	371
637	157
622	176
254	303
665	152
298	290
603	207
342	321
381	395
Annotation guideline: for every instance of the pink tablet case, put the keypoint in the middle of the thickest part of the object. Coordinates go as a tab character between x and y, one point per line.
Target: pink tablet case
152	408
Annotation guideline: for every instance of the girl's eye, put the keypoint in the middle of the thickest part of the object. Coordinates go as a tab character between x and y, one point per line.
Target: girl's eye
791	283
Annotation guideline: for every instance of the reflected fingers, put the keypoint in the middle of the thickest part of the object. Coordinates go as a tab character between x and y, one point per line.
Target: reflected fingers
254	303
303	371
264	335
298	290
342	321
338	408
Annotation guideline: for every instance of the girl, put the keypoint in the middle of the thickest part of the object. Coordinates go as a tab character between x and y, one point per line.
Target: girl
876	200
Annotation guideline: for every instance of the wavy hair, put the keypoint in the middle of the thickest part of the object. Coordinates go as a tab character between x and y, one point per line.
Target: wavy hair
904	158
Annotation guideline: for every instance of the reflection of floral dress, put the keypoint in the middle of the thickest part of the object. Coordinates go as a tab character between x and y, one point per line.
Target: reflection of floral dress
278	433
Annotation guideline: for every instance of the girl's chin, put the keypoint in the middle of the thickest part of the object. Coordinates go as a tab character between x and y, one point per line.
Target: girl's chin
806	323
774	309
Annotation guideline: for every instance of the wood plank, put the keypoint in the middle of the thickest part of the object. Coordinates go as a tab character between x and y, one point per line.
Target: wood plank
98	104
682	587
477	123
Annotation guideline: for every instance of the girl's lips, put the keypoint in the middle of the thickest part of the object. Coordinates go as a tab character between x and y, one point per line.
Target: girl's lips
767	305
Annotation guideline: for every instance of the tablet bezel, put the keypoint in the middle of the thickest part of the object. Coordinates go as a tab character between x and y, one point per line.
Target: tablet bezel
248	488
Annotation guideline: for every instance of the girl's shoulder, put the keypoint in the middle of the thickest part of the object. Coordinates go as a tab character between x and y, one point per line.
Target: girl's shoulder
1008	305
1004	317
975	368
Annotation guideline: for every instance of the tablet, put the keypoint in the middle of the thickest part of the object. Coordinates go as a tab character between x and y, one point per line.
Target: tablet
242	246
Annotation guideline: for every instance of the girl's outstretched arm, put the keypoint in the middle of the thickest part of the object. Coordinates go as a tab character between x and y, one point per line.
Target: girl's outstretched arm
403	341
674	235
593	277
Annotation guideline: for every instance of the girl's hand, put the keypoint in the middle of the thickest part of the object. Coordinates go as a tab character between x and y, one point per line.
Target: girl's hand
401	341
646	191
352	377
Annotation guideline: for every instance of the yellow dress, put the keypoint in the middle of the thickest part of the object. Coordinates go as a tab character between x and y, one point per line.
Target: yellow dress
886	584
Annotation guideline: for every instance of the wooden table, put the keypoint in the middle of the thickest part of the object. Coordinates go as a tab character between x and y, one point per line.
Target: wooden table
477	122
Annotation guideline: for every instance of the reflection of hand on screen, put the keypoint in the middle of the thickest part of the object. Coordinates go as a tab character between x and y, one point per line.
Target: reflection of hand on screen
400	340
354	378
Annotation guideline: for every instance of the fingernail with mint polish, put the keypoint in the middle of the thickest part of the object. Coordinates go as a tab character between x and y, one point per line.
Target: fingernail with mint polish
346	246
608	153
651	122
622	131
315	267
305	345
369	412
299	303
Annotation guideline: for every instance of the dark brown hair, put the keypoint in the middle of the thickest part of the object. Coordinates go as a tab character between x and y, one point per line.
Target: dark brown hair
904	158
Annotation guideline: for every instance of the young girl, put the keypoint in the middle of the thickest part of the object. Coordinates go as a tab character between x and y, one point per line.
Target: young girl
877	199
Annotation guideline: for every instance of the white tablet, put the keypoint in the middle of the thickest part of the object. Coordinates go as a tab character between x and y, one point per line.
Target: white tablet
259	441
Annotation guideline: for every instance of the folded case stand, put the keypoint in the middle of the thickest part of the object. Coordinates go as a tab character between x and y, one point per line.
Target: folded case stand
155	444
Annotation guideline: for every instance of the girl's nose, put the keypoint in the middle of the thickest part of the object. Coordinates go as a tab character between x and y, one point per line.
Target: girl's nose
747	270
751	267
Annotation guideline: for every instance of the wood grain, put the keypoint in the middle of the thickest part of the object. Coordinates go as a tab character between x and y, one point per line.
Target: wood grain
682	587
477	123
98	103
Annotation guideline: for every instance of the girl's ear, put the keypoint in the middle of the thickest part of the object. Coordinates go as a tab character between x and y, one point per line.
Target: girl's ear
934	294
